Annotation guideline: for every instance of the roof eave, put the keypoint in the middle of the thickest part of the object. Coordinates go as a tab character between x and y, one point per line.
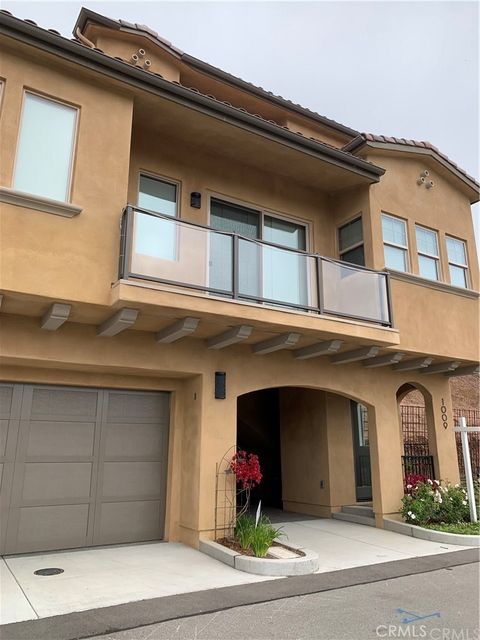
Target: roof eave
99	61
266	95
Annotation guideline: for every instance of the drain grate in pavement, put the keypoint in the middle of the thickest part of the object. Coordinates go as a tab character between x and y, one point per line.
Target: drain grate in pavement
49	571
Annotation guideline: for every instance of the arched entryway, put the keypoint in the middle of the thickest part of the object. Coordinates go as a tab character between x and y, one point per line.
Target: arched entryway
413	406
313	448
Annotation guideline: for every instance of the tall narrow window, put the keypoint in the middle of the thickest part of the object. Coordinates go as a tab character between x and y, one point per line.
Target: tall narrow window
395	243
156	236
45	148
427	248
457	262
350	242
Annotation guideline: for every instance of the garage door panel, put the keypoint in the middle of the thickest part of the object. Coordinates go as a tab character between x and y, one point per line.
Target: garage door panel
134	440
84	466
130	521
3	436
61	438
132	479
57	481
138	407
6	399
52	527
63	404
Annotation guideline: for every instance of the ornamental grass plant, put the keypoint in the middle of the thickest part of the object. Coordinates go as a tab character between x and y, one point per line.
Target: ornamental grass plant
256	537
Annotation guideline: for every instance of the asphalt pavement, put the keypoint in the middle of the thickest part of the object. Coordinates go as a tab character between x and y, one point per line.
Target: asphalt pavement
438	605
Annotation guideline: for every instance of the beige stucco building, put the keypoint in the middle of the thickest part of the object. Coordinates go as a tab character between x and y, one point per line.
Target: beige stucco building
188	262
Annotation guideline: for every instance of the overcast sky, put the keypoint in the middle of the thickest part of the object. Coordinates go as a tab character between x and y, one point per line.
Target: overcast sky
407	69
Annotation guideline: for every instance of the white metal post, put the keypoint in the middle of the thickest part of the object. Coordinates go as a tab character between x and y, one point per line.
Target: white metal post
468	469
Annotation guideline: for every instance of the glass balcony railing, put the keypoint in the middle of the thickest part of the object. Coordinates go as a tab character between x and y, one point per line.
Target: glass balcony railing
176	252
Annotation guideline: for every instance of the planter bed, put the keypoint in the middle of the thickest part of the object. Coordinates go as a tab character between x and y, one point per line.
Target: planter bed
303	563
398	526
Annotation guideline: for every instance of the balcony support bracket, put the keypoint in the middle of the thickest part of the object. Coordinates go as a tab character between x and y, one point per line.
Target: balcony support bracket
55	316
472	369
354	356
232	336
442	367
123	319
276	344
383	361
177	330
411	365
318	349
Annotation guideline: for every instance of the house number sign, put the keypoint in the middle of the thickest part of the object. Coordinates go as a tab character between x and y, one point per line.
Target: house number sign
443	409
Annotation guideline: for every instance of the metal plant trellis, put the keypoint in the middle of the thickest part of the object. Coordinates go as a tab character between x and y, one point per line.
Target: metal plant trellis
225	496
230	501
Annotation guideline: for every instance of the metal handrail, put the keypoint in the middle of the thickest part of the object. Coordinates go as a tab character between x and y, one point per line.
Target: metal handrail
125	262
342	263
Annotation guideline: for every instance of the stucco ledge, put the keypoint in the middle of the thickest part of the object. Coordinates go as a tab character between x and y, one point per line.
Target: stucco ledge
39	203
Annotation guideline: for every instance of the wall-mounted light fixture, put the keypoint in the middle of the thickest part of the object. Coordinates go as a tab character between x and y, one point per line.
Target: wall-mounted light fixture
220	385
195	199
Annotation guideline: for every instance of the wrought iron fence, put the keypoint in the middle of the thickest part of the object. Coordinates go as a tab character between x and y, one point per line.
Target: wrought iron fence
415	430
472	416
418	466
415	437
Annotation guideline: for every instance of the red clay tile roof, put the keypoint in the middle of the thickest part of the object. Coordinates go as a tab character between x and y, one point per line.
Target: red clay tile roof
364	138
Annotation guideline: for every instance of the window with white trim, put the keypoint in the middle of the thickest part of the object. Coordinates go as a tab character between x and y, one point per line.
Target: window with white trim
457	262
395	243
350	242
428	256
45	148
156	236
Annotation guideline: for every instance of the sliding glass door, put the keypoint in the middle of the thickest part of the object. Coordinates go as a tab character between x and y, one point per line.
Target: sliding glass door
284	272
264	271
246	222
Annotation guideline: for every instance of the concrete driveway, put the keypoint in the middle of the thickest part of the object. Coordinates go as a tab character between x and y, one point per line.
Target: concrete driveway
100	577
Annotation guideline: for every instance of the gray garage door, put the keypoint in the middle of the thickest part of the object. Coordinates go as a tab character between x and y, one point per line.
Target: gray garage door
81	467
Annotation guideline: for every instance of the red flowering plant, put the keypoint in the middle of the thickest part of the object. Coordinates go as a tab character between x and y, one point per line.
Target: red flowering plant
246	468
414	479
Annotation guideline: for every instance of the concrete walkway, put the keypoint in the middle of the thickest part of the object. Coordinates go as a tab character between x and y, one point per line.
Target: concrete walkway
102	577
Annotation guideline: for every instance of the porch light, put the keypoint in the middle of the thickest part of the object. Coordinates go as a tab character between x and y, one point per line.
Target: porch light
195	199
220	385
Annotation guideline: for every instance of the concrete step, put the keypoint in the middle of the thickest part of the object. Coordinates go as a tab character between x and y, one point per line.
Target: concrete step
359	510
350	517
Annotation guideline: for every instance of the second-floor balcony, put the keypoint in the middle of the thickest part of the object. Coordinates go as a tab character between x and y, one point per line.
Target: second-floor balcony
179	253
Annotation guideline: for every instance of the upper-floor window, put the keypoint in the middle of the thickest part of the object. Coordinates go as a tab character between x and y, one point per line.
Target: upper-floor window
457	262
350	242
157	195
395	243
427	248
156	236
45	148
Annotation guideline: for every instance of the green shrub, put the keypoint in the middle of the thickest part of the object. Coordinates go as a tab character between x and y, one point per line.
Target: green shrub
257	538
428	502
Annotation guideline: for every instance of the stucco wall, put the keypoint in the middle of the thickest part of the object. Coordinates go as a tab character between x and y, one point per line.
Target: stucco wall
51	256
